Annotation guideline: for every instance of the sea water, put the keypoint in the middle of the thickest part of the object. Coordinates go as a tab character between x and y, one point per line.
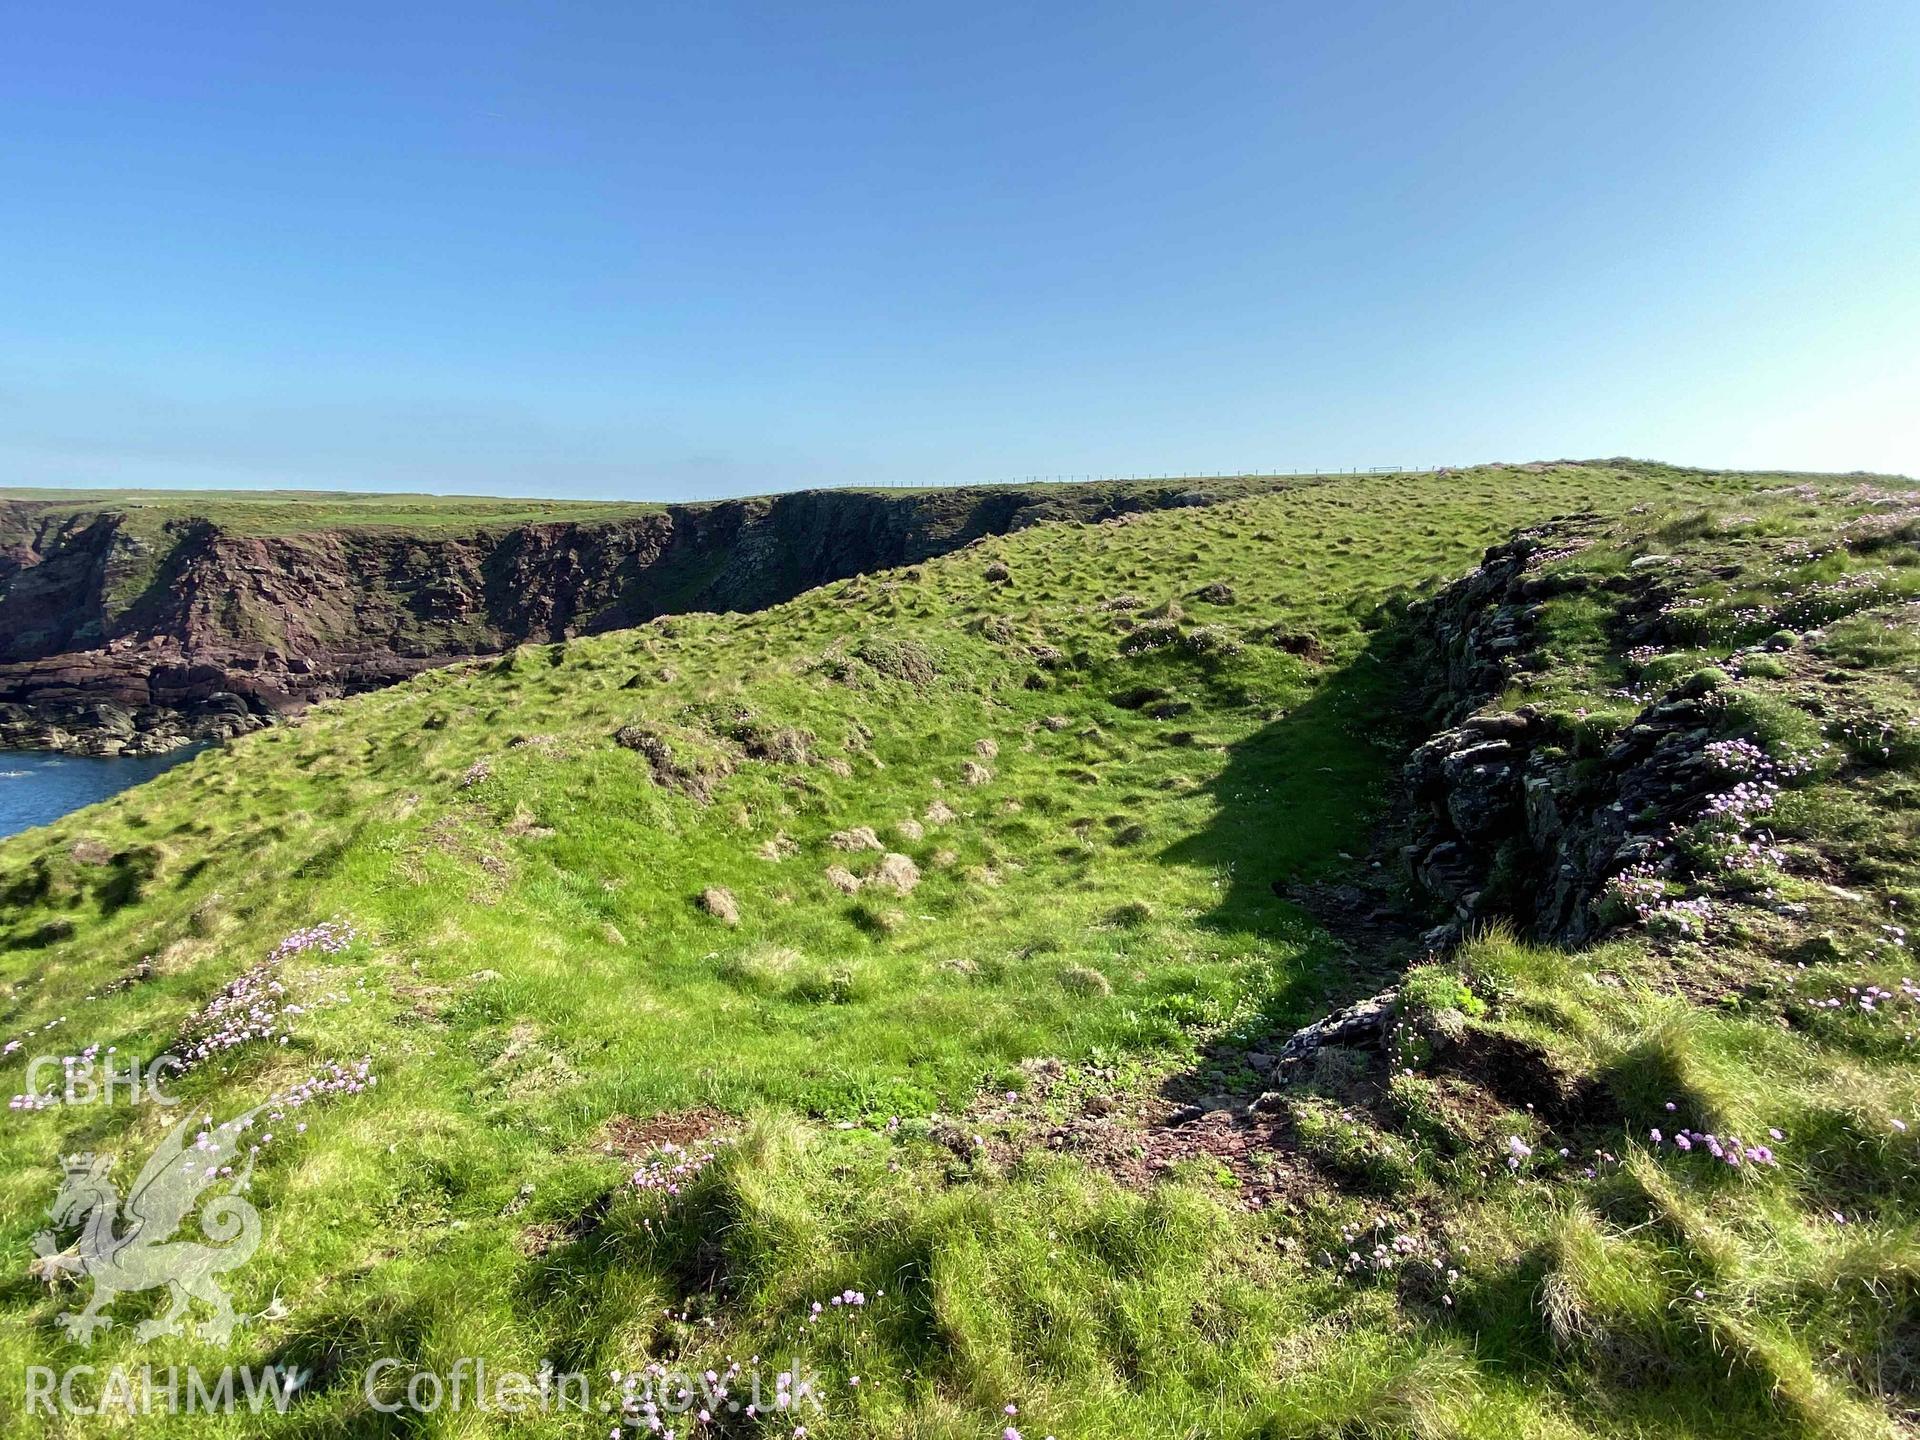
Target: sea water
37	787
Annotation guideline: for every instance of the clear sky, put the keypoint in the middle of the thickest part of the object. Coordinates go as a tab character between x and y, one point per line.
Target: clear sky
633	249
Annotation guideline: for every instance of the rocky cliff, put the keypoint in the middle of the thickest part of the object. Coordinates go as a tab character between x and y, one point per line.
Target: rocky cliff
1522	815
120	637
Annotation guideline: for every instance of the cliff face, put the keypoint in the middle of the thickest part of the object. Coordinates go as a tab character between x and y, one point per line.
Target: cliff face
1511	815
114	639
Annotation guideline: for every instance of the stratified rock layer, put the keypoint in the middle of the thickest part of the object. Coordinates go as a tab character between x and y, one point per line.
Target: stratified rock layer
1507	821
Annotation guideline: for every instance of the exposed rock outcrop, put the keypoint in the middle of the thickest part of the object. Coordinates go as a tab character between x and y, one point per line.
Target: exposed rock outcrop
1360	1024
105	727
1506	818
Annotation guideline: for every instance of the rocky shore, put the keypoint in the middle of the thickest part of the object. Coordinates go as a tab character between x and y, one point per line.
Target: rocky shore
104	728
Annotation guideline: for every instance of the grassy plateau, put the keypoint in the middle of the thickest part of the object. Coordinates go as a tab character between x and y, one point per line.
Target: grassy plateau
282	512
832	990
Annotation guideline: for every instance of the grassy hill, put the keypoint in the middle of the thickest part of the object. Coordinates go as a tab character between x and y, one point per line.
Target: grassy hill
949	920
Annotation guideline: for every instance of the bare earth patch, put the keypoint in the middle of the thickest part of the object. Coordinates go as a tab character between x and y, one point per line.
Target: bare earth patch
633	1138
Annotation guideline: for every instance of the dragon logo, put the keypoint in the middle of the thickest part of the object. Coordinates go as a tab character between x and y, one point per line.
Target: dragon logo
129	1246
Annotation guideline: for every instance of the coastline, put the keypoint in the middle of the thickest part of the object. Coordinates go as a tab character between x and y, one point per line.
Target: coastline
105	729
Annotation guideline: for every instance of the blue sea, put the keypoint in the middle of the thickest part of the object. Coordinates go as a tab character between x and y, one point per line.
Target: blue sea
36	787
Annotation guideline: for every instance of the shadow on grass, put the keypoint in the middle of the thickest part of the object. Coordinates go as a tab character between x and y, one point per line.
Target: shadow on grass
333	1352
1298	805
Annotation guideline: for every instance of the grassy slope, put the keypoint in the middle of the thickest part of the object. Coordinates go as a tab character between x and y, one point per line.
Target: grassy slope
532	965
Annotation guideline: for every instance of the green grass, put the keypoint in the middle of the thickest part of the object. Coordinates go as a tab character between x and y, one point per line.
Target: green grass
533	965
283	512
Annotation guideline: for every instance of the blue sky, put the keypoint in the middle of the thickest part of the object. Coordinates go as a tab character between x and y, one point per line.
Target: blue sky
655	251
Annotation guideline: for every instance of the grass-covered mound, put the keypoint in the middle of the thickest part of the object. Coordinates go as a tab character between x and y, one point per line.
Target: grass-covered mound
914	944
